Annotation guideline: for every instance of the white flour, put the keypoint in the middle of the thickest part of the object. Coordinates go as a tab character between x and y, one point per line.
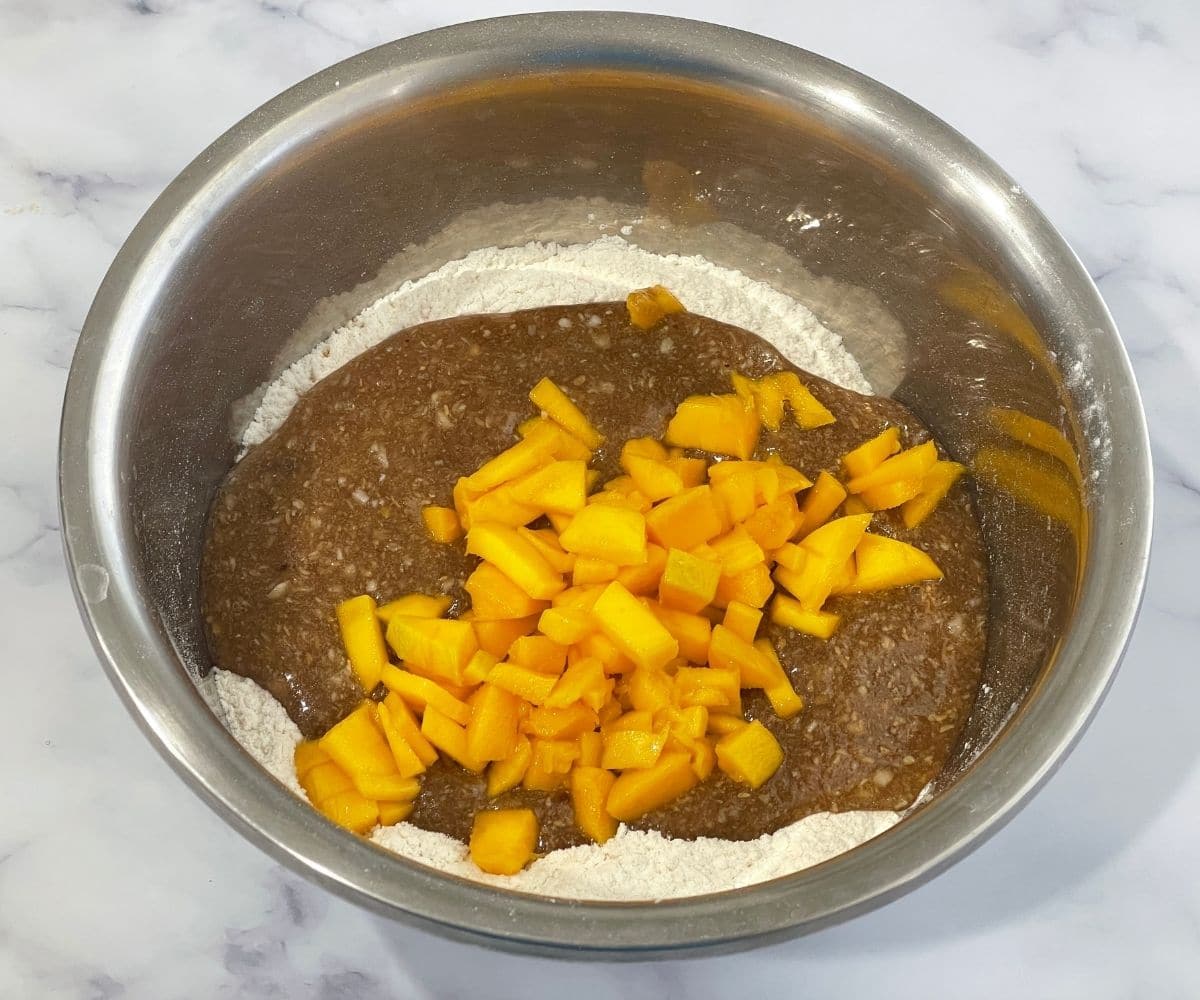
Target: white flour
633	865
546	274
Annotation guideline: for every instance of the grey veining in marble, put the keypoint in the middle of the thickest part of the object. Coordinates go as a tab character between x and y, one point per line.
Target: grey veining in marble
115	881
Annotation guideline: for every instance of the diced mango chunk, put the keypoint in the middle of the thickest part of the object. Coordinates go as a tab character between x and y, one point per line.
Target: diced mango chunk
442	523
637	792
503	840
791	614
883	563
633	629
423	693
496	636
692	632
870	454
434	646
742	620
615	534
910	464
362	638
449	737
358	747
721	425
492	729
522	457
783	697
820	502
590	788
560	487
506	774
688	582
415	606
556	405
516	557
934	487
749	755
685	521
494	595
648	306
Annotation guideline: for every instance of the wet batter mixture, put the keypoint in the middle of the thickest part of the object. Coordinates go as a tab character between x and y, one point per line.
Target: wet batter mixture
329	507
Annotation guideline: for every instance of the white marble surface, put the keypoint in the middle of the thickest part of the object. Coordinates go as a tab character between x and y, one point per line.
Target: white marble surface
115	881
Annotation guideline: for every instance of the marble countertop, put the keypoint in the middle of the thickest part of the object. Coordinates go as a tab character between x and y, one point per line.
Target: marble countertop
116	881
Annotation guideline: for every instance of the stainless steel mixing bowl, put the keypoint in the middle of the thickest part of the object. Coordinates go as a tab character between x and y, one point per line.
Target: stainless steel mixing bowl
950	285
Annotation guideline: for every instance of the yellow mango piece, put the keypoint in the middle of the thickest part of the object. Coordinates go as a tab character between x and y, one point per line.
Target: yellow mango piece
721	723
492	729
449	737
766	484
615	534
415	606
844	580
643	447
495	596
648	306
827	548
638	791
752	586
654	480
584	596
790	480
591	746
422	693
869	455
590	787
884	563
503	840
643	579
600	647
633	500
325	781
566	625
539	652
783	697
633	629
401	723
691	471
550	764
688	582
750	755
589	570
545	540
790	556
583	681
391	813
773	524
436	647
557	443
649	690
691	723
499	506
730	651
735	494
768	400
630	748
934	487
496	636
703	759
737	551
464	496
692	632
837	539
358	747
442	523
510	464
820	502
791	614
516	557
716	688
808	411
638	719
556	405
389	787
890	495
506	774
523	681
742	620
408	764
855	505
685	521
478	668
351	810
561	723
362	638
910	464
560	487
307	755
721	425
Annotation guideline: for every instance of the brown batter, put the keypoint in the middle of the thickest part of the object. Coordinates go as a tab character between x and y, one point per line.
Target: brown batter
329	507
